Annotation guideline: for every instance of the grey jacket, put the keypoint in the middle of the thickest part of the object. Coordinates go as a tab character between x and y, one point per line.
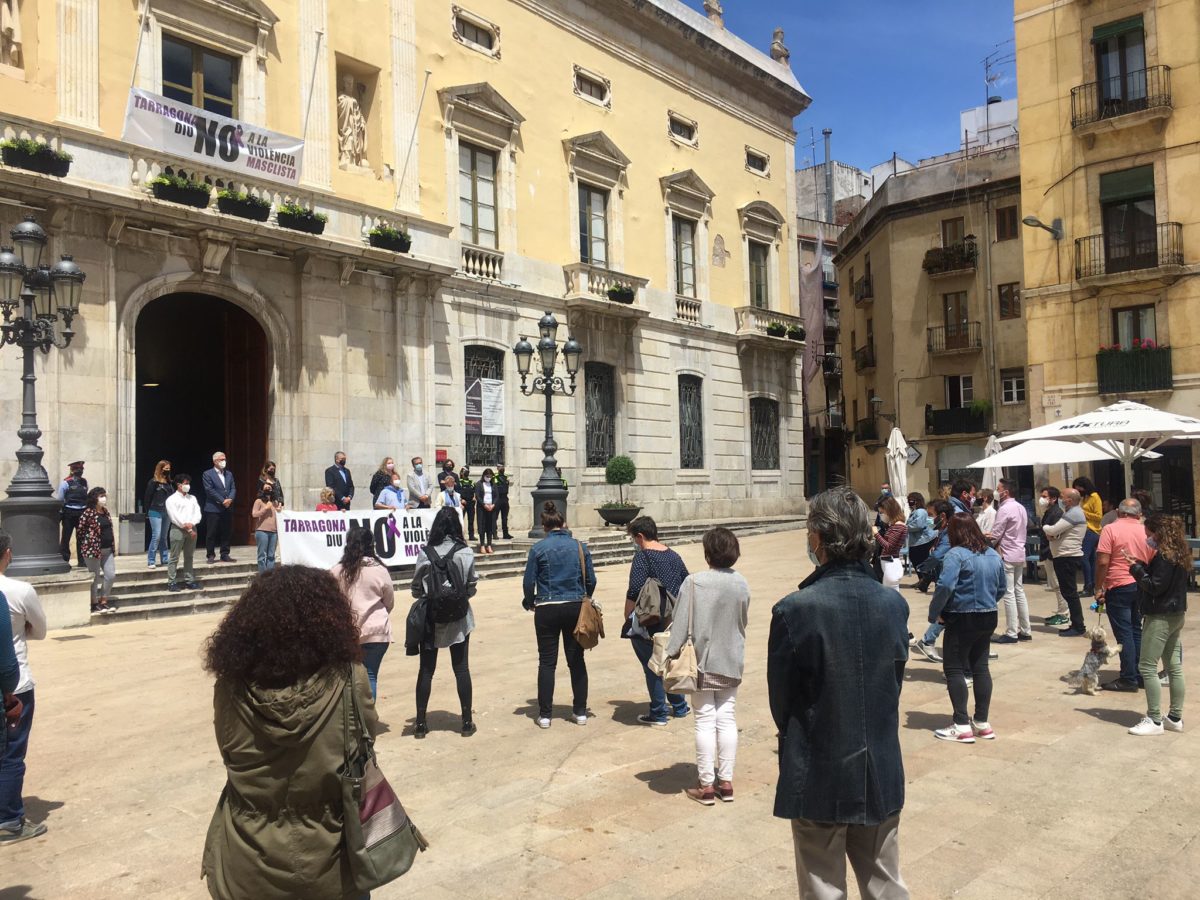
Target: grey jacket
1066	535
464	559
718	604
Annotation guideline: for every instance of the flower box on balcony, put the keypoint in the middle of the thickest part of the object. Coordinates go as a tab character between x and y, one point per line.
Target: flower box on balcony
387	238
21	153
301	218
242	205
954	258
776	329
621	293
795	333
1144	367
175	189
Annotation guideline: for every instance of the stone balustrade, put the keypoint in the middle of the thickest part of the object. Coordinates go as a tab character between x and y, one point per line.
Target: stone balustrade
754	320
687	309
586	280
480	262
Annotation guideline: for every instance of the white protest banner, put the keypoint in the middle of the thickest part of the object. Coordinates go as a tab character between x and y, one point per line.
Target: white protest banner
474	404
207	138
492	406
317	538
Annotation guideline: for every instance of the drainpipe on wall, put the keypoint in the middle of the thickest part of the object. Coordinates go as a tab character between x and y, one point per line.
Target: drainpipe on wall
828	132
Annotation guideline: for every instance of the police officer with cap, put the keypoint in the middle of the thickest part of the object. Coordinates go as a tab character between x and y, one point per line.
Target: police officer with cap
72	493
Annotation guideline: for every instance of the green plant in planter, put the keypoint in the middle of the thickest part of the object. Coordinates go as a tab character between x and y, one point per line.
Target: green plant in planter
620	471
301	218
177	189
981	407
621	293
389	238
795	333
776	329
239	203
181	183
24	153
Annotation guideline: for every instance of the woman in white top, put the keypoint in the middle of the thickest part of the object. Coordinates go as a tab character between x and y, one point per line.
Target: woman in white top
985	510
716	605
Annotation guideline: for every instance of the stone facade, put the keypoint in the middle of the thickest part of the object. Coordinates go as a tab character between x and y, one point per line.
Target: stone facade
363	349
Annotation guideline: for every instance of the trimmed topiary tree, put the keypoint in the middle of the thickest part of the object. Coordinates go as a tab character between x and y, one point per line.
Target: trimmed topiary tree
620	471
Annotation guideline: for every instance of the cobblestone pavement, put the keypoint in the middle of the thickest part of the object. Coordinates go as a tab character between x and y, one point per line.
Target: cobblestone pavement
124	769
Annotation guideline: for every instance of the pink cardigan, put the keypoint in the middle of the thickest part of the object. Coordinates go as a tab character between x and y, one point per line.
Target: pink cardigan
371	600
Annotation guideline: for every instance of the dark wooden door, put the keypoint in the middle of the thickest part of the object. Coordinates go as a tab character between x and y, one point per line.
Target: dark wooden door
246	412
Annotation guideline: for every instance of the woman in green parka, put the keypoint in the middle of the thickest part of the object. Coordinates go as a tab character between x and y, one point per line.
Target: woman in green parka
281	657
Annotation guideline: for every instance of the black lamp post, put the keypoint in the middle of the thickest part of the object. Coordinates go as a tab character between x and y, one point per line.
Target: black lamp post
39	295
549	486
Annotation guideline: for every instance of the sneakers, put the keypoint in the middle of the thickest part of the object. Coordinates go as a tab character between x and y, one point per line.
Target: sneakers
992	654
1120	685
1072	632
983	731
929	651
25	832
579	719
704	794
725	791
173	588
1003	639
1024	637
963	734
469	728
1057	619
1164	679
1147	727
543	722
970	682
193	585
681	715
151	565
647	719
1172	724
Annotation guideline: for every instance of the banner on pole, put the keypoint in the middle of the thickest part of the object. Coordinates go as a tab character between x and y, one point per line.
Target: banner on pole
210	139
317	538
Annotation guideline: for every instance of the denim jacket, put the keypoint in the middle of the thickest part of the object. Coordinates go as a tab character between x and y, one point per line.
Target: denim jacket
835	665
970	583
552	571
920	529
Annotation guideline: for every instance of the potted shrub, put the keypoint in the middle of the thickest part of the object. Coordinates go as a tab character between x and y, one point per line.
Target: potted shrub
175	189
981	408
621	293
795	333
22	153
300	218
385	237
777	329
619	471
243	205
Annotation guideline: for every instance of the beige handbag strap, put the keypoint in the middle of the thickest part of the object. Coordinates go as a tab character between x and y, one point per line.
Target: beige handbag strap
582	570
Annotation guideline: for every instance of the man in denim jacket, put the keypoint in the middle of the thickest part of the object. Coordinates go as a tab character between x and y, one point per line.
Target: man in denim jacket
834	671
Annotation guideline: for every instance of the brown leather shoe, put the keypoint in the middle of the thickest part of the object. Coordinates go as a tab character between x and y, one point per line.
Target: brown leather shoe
703	794
725	791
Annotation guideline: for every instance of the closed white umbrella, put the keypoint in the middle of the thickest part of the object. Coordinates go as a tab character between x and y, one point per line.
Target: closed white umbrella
897	464
1050	453
1135	427
993	472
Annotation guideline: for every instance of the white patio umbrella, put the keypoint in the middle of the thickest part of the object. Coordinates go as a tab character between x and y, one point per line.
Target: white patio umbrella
1049	453
992	473
1135	427
897	463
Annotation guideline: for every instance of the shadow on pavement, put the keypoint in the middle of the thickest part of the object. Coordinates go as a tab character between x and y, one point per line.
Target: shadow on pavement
1125	717
625	712
671	780
927	721
38	810
931	672
437	720
19	892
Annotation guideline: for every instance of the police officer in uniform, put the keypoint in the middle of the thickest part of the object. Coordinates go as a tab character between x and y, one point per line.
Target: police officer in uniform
502	483
466	491
72	493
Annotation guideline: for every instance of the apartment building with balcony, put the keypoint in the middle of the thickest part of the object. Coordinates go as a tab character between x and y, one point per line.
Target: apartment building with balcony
628	166
932	329
1110	150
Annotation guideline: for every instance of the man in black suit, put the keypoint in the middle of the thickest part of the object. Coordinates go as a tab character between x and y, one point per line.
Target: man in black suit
339	480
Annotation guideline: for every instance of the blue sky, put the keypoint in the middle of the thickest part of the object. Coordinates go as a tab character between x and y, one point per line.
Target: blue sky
885	75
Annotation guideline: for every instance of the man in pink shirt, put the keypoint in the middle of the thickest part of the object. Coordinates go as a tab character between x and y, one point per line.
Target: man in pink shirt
1008	536
1118	591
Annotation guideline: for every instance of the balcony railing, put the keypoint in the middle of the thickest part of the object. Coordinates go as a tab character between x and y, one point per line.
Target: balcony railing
833	319
835	418
831	365
864	358
829	277
1098	255
950	260
752	320
1143	89
586	280
864	290
687	309
961	337
866	431
1134	371
831	300
960	420
481	262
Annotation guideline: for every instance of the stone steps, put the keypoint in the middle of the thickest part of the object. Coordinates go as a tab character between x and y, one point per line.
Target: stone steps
142	593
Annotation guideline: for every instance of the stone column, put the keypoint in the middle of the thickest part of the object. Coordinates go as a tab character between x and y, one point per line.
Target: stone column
78	62
314	17
406	94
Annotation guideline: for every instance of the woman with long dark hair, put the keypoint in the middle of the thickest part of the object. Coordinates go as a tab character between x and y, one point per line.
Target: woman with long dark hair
558	578
449	629
1163	582
368	587
154	502
99	548
1093	511
268	475
965	600
486	500
921	533
282	656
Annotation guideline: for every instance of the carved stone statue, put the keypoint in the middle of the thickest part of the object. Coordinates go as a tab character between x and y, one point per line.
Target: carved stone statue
10	33
352	126
714	11
779	50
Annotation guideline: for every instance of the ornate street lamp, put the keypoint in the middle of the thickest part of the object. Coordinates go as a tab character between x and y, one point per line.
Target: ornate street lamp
33	298
550	485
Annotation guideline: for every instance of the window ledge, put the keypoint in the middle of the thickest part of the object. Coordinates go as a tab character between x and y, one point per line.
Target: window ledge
693	476
766	476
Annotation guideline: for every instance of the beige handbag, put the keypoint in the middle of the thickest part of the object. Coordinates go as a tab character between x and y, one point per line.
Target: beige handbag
681	675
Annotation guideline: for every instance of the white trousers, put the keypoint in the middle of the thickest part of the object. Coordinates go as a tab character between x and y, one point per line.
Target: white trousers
892	572
1016	607
716	734
1052	583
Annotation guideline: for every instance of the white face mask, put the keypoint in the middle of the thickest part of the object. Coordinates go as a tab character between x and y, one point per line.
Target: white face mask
102	501
220	464
1043	502
186	488
395	482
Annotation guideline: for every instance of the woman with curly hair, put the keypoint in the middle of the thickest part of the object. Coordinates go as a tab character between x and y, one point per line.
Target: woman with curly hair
282	657
99	548
368	587
1163	582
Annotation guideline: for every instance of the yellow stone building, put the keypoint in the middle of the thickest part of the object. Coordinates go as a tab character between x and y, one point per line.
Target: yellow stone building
626	165
1110	156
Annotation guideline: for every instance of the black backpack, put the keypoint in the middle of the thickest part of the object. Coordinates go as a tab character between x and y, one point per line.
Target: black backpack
447	594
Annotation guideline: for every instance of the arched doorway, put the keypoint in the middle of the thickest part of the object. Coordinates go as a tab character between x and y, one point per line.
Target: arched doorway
203	385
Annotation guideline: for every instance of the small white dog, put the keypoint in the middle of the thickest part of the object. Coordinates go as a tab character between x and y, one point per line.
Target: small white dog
1087	678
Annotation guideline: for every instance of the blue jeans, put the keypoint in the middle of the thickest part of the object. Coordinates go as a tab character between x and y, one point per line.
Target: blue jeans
654	684
266	541
12	766
1091	541
1126	620
158	537
372	657
932	632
